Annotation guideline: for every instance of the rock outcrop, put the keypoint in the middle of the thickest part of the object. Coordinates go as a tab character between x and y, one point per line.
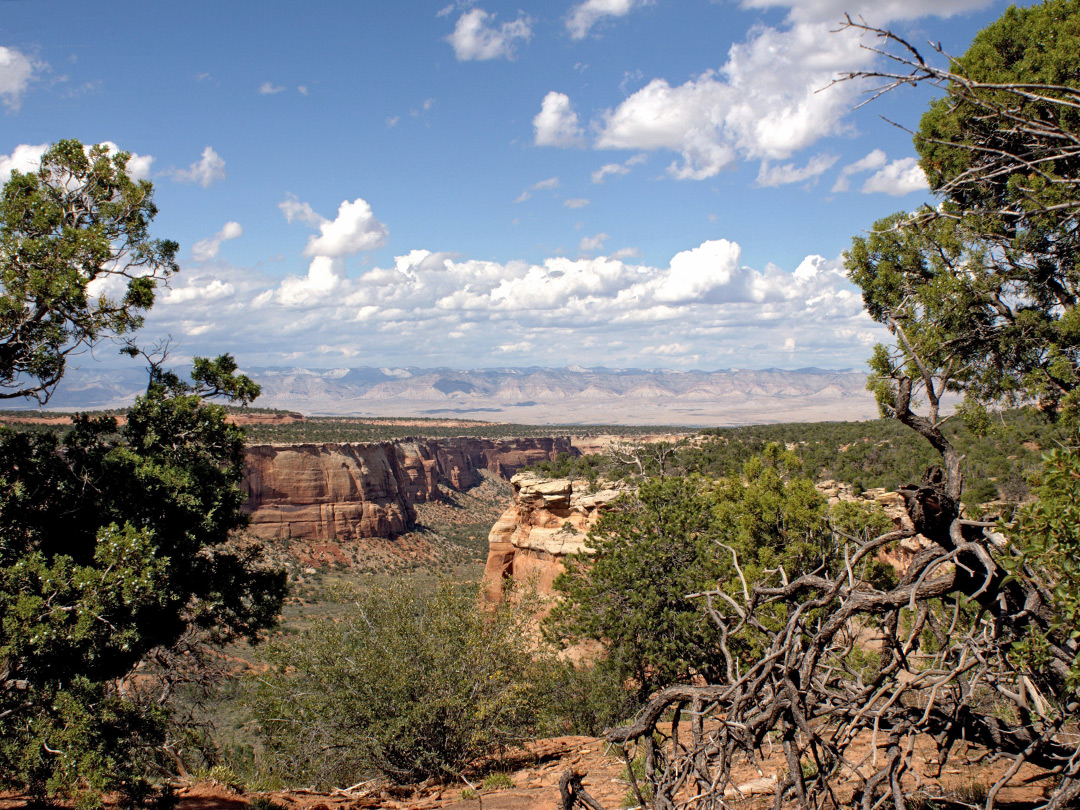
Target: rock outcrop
367	490
900	555
546	520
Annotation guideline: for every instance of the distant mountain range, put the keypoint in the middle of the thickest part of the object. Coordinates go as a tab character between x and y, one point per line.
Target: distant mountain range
572	395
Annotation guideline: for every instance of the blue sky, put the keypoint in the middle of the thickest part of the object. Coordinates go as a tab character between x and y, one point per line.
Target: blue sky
475	184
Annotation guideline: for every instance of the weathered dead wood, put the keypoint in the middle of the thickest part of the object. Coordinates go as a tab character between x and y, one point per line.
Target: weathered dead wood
942	672
573	792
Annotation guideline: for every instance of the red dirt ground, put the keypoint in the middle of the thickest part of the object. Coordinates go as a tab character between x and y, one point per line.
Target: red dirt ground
536	772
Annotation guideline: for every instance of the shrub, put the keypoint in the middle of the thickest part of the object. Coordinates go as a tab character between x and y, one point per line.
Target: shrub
588	698
497	781
408	683
675	537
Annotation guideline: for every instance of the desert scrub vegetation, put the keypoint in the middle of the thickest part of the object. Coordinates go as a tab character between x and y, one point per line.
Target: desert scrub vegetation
408	683
639	593
410	680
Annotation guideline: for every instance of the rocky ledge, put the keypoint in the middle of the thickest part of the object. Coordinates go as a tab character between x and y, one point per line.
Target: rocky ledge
550	518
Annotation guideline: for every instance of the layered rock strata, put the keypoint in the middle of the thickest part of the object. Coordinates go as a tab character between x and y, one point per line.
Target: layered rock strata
546	520
367	490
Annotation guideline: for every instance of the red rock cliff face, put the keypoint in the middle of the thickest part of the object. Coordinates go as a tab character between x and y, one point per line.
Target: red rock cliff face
547	520
366	490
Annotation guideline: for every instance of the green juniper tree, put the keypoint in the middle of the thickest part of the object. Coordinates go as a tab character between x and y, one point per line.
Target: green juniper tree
981	293
654	552
77	262
982	290
115	542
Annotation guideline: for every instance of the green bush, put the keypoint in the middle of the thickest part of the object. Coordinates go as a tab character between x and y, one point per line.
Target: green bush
497	781
675	537
1048	532
586	699
407	683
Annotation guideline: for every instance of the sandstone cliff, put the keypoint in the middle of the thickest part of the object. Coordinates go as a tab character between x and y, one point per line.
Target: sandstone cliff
546	520
367	490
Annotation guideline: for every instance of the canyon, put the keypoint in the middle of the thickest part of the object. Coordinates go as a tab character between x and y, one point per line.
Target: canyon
334	493
354	491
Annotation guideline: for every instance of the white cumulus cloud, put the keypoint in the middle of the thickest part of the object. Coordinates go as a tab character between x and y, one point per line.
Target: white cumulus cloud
897	178
205	171
24	158
874	160
17	70
682	118
695	272
476	37
789	173
557	124
353	230
773	96
585	15
206	249
591	244
296	211
200	290
763	103
139	166
703	303
609	169
270	89
667	349
617	169
541	185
